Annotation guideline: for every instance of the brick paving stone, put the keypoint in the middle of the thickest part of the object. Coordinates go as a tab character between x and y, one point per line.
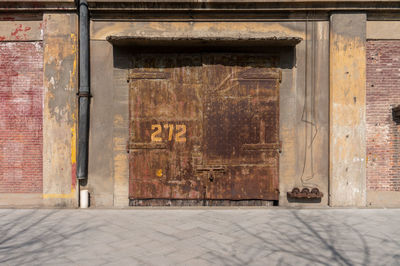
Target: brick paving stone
214	236
191	233
194	262
218	237
186	254
197	240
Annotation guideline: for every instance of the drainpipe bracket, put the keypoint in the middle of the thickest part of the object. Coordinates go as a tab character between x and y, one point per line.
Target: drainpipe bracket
84	94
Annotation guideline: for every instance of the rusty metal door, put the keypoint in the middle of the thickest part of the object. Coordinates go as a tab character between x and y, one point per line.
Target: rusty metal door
204	126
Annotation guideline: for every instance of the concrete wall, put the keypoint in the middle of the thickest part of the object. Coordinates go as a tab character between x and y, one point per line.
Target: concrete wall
101	172
304	101
109	128
347	109
304	117
59	127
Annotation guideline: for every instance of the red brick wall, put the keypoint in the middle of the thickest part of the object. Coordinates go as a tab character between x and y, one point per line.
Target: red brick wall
21	116
383	92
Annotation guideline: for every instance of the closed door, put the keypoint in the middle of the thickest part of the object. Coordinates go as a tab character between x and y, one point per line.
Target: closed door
204	126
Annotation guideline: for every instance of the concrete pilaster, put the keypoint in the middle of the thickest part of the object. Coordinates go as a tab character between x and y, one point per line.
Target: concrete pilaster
347	109
60	112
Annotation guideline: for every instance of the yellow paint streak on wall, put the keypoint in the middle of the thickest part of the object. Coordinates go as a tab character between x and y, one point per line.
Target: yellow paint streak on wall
71	195
75	52
348	79
72	85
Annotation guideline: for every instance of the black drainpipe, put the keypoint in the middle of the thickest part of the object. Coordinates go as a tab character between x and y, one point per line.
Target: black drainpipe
84	91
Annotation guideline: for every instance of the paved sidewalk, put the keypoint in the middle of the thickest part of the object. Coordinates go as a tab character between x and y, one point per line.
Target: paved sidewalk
200	237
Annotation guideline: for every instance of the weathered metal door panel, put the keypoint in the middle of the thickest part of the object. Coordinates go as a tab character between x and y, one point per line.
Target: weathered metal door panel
204	127
165	115
241	126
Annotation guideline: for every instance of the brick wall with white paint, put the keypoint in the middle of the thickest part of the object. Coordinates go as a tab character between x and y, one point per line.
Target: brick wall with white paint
21	116
383	135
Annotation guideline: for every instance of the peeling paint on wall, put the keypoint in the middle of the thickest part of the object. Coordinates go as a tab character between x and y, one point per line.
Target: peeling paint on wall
21	31
101	30
21	117
60	81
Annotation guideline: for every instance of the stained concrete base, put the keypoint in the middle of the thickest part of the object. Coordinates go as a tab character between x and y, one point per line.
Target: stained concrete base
387	199
11	200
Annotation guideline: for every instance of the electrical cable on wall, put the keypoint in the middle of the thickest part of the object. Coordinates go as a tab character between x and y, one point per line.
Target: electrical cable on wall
309	124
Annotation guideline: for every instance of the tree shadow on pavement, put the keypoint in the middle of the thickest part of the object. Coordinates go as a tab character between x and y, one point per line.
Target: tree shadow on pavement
36	236
302	240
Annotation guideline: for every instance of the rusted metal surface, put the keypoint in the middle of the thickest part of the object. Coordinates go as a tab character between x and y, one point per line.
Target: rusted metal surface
204	127
305	193
259	41
198	202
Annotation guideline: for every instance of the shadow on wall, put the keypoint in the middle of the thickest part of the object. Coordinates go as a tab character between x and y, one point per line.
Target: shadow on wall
123	55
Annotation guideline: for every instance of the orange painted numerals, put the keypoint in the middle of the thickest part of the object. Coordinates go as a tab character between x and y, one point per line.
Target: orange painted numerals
155	135
171	130
180	134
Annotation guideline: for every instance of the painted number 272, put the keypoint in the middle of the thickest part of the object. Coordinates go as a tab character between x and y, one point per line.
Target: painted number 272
180	132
